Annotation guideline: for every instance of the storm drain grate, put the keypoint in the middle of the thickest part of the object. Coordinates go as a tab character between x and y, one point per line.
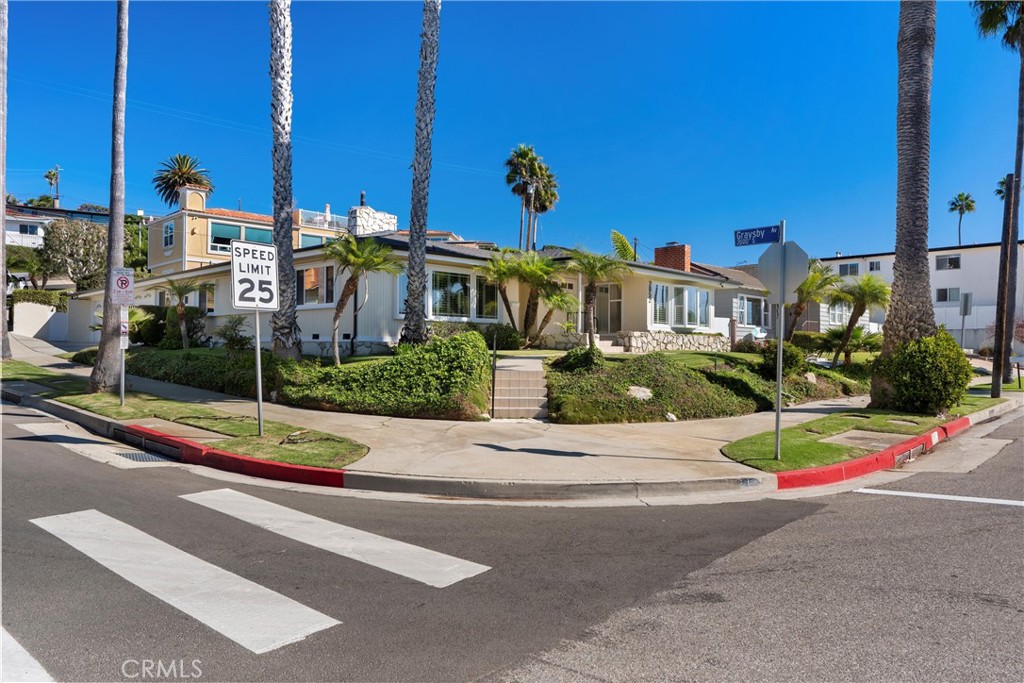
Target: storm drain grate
142	456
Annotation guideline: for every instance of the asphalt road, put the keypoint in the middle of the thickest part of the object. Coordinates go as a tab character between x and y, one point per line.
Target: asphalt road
848	587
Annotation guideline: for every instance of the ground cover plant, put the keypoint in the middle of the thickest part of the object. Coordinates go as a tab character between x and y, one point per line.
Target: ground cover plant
281	442
802	445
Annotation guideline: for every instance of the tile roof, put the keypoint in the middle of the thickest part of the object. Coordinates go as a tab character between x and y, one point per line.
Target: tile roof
241	215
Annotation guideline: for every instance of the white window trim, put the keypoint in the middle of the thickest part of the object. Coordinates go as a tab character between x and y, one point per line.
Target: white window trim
164	234
667	325
429	303
334	287
766	318
216	249
686	289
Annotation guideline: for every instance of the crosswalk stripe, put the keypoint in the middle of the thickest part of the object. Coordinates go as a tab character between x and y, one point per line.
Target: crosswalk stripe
423	565
255	617
941	496
19	665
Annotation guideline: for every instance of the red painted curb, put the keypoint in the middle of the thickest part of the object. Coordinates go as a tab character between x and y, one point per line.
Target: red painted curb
882	460
194	453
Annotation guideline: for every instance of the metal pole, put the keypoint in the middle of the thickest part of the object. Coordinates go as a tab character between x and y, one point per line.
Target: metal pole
963	323
121	318
494	372
259	378
778	343
122	378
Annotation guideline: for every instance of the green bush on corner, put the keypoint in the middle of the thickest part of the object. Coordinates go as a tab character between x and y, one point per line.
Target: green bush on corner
928	376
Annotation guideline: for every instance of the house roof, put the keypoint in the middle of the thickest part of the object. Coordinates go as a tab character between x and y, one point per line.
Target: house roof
240	215
961	247
742	277
26	216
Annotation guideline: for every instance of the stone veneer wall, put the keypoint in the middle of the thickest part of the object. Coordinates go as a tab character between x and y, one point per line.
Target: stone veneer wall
363	220
363	348
645	342
563	341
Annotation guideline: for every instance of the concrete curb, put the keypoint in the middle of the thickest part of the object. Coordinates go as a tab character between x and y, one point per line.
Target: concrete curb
889	458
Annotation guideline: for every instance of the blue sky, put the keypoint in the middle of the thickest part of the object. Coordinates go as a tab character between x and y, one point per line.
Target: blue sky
665	121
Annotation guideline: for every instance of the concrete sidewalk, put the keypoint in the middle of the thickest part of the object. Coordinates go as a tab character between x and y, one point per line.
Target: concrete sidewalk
458	458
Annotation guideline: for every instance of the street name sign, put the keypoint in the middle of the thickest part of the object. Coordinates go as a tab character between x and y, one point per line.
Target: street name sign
123	292
254	281
765	235
769	270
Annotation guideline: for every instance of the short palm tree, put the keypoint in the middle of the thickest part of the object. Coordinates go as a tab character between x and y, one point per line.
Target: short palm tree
961	204
136	318
520	168
177	172
820	280
866	293
499	270
832	341
359	258
179	291
595	268
555	299
538	273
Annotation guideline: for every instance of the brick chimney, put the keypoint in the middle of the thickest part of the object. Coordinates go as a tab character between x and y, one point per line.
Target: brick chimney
673	255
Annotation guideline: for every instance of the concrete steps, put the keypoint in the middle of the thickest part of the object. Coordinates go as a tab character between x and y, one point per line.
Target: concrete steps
520	394
608	343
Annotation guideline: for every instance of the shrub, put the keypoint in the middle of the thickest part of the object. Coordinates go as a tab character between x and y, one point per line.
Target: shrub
792	359
985	352
928	375
446	378
807	341
579	359
151	332
236	341
747	346
508	338
195	328
45	297
86	356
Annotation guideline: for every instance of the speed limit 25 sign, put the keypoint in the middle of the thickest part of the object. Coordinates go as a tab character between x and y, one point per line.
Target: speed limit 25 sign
254	276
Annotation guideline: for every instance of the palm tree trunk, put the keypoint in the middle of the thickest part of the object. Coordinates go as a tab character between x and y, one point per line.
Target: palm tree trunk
590	303
522	216
284	326
530	316
346	293
182	324
1011	299
415	330
107	368
855	315
911	314
5	343
797	311
959	234
503	292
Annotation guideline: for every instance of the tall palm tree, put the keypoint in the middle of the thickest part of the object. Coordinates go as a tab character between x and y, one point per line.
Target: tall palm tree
1001	189
179	291
106	369
961	204
415	329
520	167
538	273
866	293
555	299
359	258
499	270
51	178
284	326
595	268
911	315
175	173
820	280
5	343
1005	18
545	196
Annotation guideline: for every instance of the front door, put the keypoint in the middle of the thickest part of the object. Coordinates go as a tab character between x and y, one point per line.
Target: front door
609	308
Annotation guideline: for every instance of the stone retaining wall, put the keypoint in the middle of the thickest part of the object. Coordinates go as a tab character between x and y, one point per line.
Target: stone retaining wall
646	342
563	341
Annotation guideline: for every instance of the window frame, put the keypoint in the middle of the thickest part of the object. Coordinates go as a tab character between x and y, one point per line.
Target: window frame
949	262
328	277
946	293
839	313
852	270
213	248
652	316
764	314
433	314
874	266
168	235
247	228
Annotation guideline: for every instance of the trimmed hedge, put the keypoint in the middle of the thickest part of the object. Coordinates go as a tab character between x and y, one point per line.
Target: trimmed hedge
793	360
195	328
508	338
928	376
45	297
808	341
444	378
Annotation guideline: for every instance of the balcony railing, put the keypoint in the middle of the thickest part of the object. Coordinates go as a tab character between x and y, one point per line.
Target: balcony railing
319	219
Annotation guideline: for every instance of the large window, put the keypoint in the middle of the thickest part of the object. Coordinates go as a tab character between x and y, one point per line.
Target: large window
947	294
486	299
262	235
691	307
221	235
839	313
449	294
206	302
310	241
315	286
168	235
874	266
658	294
851	269
951	262
753	311
28	229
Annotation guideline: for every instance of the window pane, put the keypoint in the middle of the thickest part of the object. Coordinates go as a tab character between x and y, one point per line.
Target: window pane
704	304
312	286
450	294
310	241
403	291
221	235
299	294
259	235
691	305
954	263
486	299
168	234
328	285
679	305
659	296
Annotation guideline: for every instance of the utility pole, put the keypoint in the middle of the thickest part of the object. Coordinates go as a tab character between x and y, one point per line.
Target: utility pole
636	242
1005	290
56	199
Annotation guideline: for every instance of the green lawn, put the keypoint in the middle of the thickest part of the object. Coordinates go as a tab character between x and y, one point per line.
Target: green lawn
802	446
700	359
1010	386
280	442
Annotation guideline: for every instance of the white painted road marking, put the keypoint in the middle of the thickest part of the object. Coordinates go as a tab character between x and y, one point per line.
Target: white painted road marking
93	447
938	496
18	665
255	617
427	566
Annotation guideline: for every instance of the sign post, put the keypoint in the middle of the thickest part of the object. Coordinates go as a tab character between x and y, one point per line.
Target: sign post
786	263
965	310
254	287
123	296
